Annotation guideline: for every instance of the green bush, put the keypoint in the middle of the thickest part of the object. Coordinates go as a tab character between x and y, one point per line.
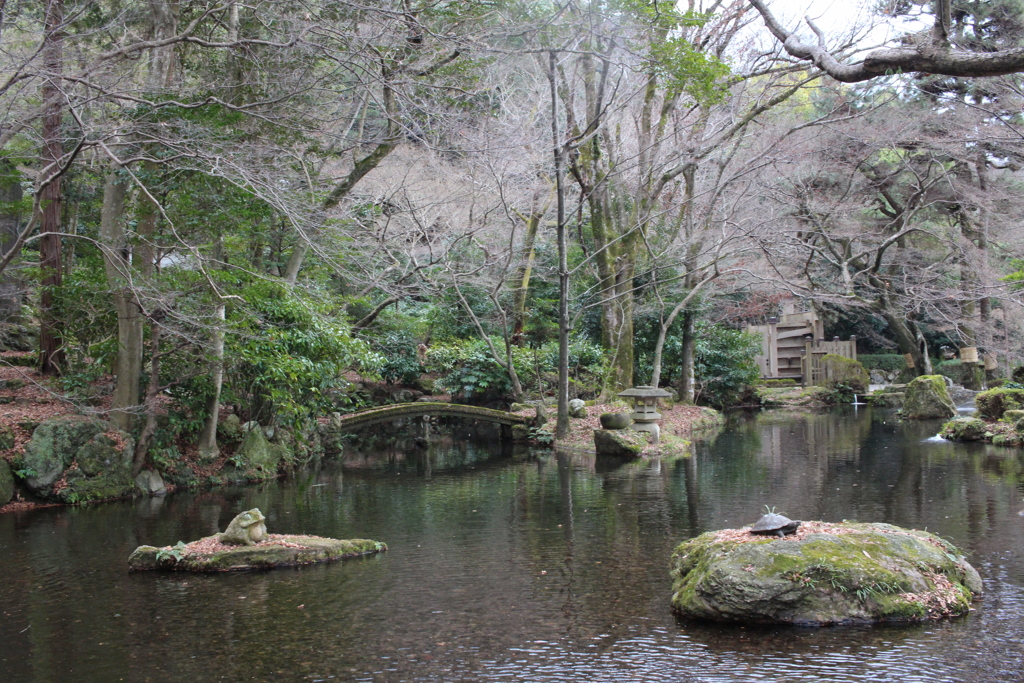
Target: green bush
468	371
886	362
777	383
993	403
401	363
847	379
724	363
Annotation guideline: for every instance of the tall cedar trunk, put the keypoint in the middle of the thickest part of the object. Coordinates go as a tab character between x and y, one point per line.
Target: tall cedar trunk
208	438
164	14
10	222
116	261
51	343
525	269
152	393
562	422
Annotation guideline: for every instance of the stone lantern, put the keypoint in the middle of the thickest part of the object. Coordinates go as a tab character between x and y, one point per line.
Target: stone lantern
645	409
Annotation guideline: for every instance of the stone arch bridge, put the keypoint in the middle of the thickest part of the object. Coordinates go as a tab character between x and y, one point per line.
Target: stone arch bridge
373	416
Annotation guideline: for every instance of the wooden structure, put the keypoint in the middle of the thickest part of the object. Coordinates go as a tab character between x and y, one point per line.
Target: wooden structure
792	348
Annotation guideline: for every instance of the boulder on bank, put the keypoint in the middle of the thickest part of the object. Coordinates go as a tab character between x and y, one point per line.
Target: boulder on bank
620	443
256	459
75	459
823	574
577	408
276	550
616	420
927	399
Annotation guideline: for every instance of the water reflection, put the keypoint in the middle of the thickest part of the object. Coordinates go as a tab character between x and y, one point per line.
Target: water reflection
511	565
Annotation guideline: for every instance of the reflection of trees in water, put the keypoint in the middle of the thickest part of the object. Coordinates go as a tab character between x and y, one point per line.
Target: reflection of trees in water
864	466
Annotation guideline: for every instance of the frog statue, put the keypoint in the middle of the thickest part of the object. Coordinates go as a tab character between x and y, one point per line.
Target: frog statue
247	528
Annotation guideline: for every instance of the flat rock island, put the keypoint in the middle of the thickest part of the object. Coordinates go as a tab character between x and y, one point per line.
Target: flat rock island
822	573
247	545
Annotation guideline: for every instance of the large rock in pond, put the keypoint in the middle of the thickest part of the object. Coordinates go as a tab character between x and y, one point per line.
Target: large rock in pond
76	459
926	398
823	574
276	550
245	544
965	429
619	442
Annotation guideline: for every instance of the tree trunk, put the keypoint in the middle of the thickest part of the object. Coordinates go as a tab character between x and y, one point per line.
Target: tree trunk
525	269
114	242
10	223
152	392
687	391
51	343
208	439
562	422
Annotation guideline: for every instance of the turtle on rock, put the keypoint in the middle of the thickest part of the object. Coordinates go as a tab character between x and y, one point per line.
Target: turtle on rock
776	524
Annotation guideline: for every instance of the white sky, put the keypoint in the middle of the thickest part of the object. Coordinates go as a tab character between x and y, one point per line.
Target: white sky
837	18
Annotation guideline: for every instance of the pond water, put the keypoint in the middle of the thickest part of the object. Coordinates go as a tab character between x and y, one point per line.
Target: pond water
511	566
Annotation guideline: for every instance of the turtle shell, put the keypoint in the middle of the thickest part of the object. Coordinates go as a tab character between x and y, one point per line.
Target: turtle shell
773	523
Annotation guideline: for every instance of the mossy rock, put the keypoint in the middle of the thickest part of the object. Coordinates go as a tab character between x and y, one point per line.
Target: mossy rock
826	574
616	420
621	443
256	459
927	399
845	371
1012	416
278	551
965	429
794	397
887	399
993	403
53	447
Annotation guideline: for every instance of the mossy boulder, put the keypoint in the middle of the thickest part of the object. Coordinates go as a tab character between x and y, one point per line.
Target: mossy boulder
887	399
615	420
965	429
577	408
621	443
927	399
6	483
992	404
256	459
842	371
209	555
791	397
76	459
824	574
53	446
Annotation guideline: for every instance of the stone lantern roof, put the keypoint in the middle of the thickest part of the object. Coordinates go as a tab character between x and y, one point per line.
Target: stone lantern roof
645	392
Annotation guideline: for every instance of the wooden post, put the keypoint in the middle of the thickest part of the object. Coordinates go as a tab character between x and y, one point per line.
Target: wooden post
773	347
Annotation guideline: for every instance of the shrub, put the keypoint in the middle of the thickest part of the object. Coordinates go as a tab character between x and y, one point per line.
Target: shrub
468	371
401	363
724	363
993	403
